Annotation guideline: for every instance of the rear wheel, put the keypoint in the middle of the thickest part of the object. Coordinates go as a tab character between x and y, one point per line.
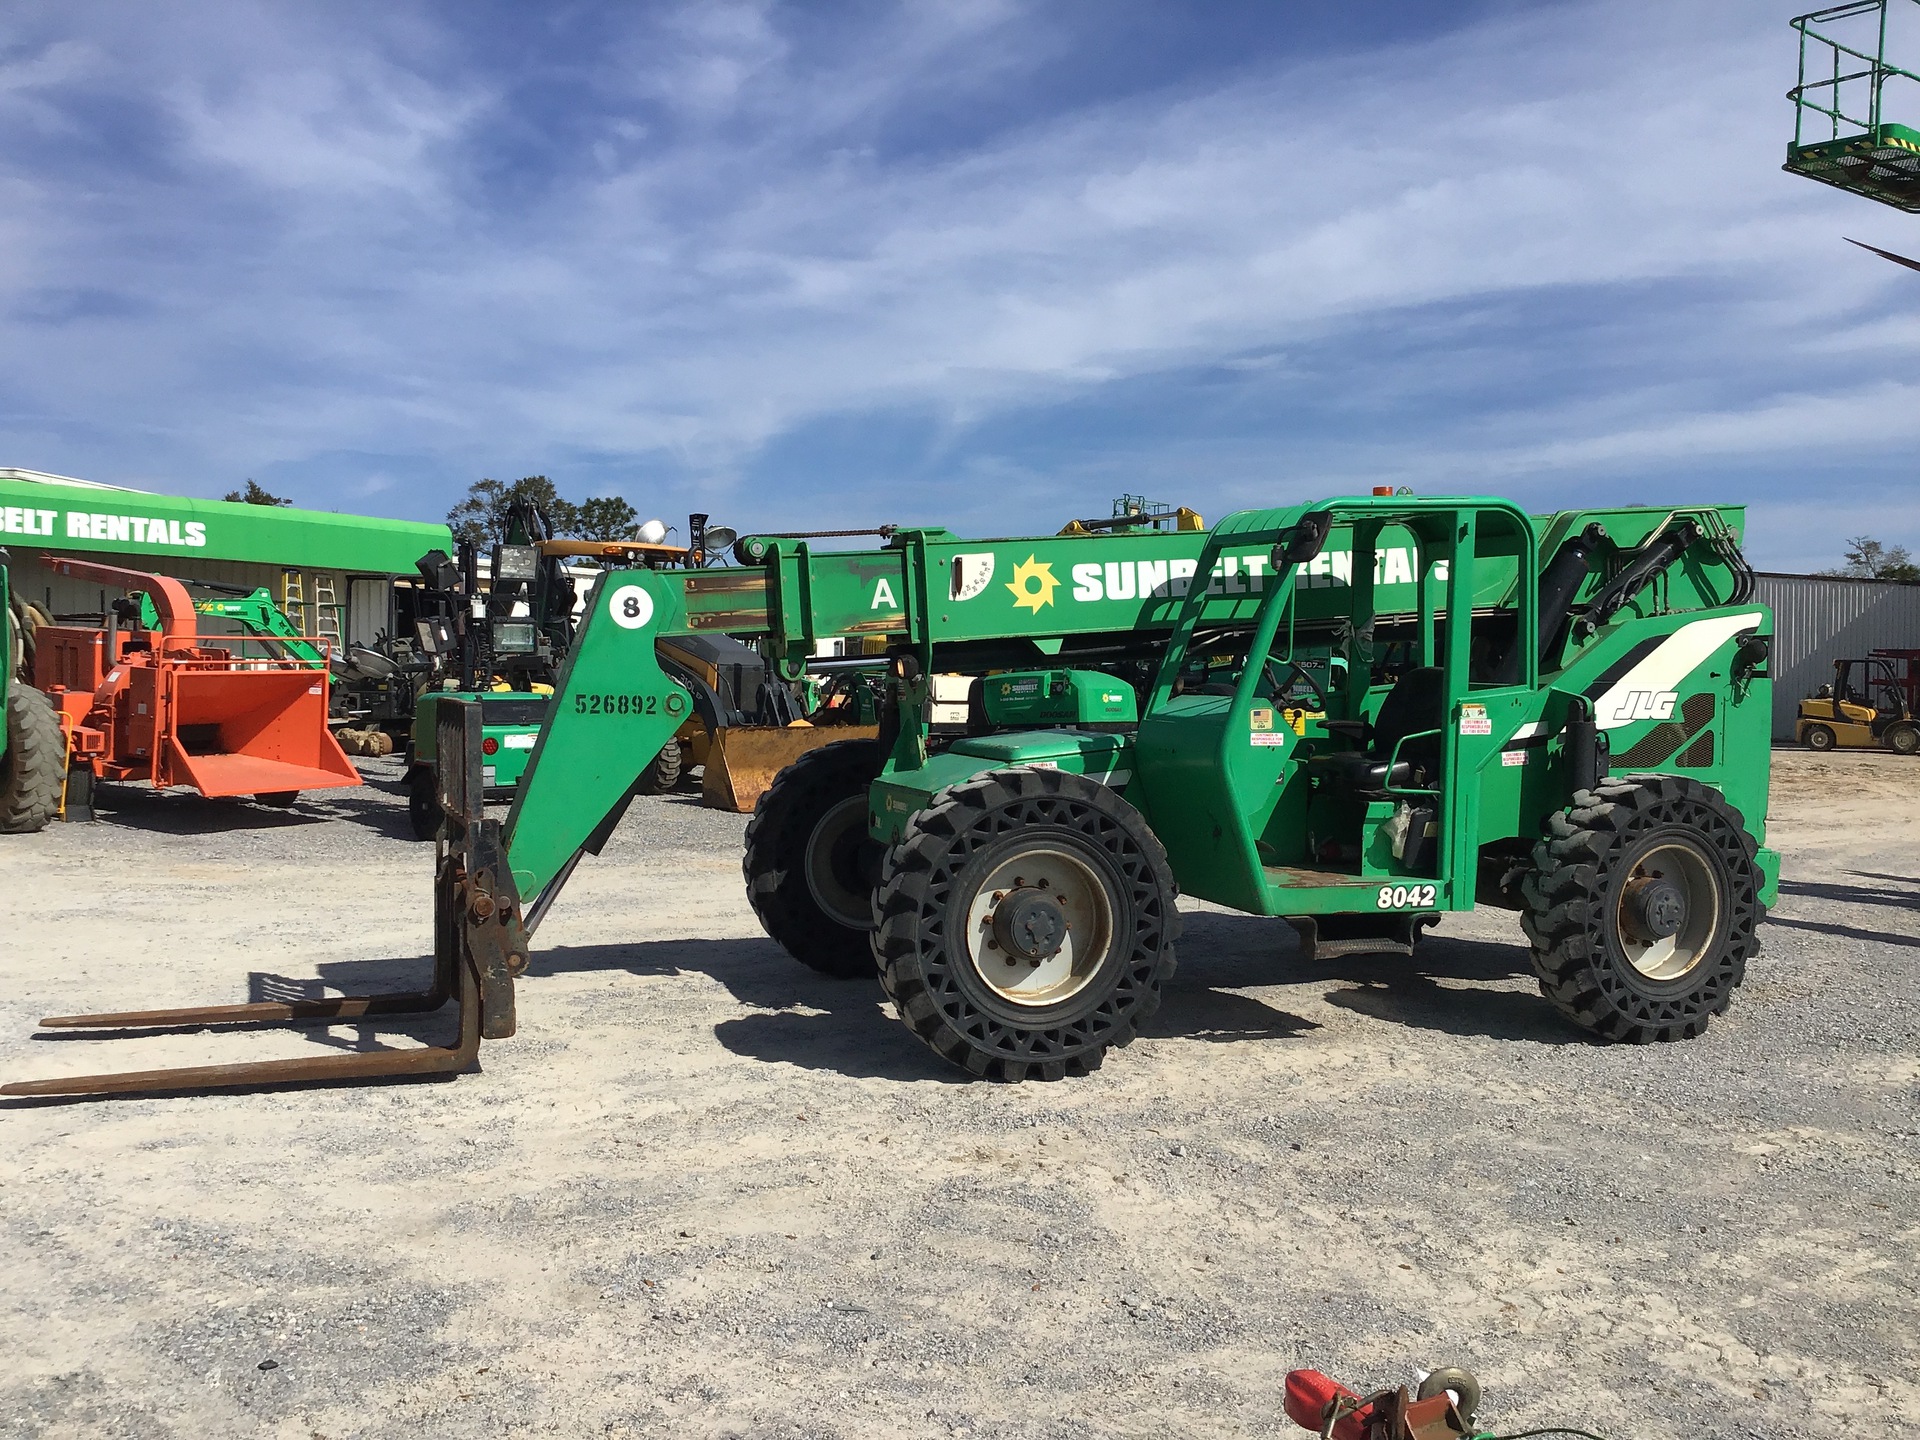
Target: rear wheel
1026	924
1819	737
34	763
1903	739
423	802
663	771
1641	908
809	866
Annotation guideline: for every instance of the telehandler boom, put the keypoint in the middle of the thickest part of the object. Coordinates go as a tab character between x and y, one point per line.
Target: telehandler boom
1564	715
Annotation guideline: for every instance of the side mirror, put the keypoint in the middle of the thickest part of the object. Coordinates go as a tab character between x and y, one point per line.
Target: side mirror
1753	653
1303	542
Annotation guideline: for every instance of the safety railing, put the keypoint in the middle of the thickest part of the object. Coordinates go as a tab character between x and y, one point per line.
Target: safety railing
1844	70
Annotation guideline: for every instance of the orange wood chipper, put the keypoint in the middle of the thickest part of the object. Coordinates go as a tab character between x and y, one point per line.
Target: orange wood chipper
160	705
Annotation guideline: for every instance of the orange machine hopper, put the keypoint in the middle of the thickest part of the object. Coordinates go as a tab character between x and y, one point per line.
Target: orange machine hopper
250	732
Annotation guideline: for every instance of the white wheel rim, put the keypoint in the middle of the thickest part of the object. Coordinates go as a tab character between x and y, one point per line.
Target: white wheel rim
852	908
1675	955
1080	895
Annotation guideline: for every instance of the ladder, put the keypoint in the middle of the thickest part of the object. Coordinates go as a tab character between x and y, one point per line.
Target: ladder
293	599
326	607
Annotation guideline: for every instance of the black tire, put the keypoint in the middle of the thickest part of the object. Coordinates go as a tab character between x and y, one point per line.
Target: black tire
278	799
1461	1382
1819	737
423	802
1607	867
663	771
808	864
1902	739
938	872
34	763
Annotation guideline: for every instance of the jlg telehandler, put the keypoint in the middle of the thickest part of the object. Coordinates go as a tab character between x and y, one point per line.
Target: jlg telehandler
1567	716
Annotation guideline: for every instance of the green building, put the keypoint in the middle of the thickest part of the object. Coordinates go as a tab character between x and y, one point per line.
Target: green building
332	574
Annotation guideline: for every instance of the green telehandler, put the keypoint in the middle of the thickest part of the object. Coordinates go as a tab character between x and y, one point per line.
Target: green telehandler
33	754
1355	715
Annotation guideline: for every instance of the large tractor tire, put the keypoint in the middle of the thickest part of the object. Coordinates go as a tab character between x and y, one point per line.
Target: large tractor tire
809	865
1642	907
1026	923
663	771
34	763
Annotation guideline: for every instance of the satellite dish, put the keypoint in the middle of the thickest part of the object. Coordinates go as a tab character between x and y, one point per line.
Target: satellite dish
370	663
654	533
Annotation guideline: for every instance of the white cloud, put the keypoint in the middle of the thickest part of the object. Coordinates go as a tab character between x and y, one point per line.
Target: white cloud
330	244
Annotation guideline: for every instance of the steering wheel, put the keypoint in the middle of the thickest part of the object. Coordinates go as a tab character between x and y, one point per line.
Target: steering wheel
1294	668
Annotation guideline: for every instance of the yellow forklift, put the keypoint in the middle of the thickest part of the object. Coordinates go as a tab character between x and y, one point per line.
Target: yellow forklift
1865	708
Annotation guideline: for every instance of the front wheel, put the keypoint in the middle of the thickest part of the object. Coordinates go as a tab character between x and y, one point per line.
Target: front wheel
663	771
33	764
1642	906
1026	924
278	799
808	863
423	802
1903	740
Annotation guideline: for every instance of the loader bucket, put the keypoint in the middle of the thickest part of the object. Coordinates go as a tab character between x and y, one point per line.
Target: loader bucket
743	759
237	731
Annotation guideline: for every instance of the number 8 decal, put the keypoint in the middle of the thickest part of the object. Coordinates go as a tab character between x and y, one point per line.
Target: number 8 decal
632	606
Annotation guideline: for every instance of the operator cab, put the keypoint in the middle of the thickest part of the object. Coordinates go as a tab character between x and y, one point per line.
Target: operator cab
1301	739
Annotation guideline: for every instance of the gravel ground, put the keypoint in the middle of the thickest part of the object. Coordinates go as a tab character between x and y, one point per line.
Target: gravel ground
704	1192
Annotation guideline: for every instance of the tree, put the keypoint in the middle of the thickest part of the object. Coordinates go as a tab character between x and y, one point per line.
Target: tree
482	516
254	494
606	517
1870	559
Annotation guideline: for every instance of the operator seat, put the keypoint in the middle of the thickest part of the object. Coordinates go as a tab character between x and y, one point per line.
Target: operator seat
1417	702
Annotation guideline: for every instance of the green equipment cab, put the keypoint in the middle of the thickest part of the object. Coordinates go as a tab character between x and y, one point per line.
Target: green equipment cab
1354	715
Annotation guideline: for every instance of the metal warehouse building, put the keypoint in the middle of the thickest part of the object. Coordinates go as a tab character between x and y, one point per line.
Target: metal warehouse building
332	574
1818	619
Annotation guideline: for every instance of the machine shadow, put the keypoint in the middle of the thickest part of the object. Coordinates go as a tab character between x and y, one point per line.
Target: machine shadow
845	1026
1854	894
187	812
1845	932
1231	951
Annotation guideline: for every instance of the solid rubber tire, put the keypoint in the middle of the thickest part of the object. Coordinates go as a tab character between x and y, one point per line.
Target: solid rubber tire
1820	730
34	763
1903	740
423	802
1571	897
929	872
773	860
663	771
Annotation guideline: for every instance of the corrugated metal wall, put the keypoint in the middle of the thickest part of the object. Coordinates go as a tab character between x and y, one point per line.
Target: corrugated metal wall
1817	620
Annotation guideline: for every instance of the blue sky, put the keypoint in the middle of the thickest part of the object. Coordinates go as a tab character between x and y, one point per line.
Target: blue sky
979	263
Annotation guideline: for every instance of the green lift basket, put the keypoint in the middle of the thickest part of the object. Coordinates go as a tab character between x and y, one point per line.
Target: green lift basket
1849	88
